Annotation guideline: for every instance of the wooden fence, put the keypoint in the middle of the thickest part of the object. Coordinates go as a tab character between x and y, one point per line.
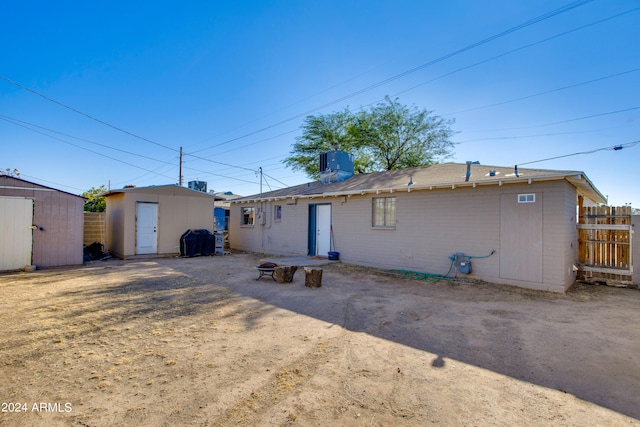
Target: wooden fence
93	228
604	242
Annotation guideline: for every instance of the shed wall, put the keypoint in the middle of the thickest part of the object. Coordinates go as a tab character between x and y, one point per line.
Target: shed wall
430	227
116	226
176	214
59	217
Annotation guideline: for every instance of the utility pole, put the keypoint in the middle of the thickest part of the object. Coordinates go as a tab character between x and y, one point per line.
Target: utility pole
180	177
261	182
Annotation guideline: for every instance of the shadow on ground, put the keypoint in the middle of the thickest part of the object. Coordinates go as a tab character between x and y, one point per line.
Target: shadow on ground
583	343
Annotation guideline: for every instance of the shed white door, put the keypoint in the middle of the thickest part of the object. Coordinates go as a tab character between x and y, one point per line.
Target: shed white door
146	228
323	230
16	235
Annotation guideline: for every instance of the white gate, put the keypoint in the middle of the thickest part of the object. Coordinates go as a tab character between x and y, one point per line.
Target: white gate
16	234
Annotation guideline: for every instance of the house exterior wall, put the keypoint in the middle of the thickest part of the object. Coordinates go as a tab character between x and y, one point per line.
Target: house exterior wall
176	214
430	227
285	237
60	221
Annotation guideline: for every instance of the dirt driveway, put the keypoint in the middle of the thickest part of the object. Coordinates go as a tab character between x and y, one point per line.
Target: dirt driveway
200	342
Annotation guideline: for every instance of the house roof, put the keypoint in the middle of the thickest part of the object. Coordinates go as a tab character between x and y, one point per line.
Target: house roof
440	176
33	185
171	190
227	195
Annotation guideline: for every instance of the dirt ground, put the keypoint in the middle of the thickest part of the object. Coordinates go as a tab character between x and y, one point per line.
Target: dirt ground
200	342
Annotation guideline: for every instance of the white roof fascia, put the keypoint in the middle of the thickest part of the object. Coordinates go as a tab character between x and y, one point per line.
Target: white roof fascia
579	180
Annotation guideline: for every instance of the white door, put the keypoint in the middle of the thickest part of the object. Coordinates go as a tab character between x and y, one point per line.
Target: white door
323	230
16	234
146	228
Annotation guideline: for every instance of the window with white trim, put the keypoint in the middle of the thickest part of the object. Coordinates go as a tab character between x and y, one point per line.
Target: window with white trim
384	212
277	213
526	198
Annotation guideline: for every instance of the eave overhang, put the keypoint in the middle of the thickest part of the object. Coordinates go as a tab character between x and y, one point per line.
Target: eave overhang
578	180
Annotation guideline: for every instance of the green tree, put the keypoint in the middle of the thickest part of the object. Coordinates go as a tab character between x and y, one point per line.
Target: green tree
398	137
95	202
388	136
321	134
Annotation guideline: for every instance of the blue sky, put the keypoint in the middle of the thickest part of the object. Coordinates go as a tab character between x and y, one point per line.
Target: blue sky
231	83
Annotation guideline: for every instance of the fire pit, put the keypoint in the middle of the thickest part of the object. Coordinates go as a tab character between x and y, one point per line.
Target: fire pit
266	268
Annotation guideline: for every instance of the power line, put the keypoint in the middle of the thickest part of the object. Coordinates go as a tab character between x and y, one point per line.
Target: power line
50	182
262	164
26	125
219	163
247	145
553	123
85	114
523	136
482	62
512	100
513	51
547	15
222	176
611	148
110	125
280	182
518	27
13	120
578	118
547	91
138	178
79	146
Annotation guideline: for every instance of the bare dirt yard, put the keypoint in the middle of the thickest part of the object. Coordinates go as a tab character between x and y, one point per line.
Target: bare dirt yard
200	342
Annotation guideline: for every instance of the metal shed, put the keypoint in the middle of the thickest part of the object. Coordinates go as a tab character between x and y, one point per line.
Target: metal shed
39	225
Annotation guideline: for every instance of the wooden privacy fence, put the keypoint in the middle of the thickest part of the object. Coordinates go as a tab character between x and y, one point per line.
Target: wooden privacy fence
93	228
604	242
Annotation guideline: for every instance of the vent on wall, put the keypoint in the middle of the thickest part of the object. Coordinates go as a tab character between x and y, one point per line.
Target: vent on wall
526	198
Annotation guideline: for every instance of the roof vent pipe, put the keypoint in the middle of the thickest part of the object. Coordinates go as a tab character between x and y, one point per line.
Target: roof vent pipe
469	163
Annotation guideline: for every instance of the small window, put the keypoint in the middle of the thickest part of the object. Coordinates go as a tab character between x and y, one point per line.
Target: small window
277	213
526	198
248	216
384	212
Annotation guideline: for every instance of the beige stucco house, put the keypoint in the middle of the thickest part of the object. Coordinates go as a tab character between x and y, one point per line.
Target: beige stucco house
150	220
496	224
39	225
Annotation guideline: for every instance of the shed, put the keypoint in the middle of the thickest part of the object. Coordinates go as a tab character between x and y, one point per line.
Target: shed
150	220
39	225
514	226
